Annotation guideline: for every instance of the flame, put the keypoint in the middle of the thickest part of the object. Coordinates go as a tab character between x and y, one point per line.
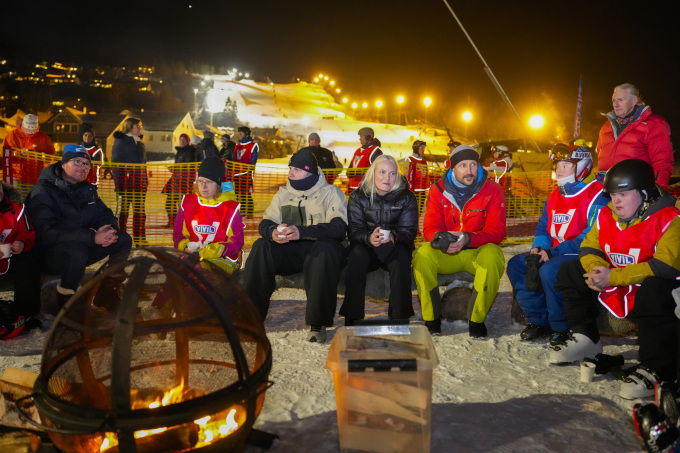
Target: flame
207	433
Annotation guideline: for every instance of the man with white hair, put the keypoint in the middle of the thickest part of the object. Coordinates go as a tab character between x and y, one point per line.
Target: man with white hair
634	132
28	136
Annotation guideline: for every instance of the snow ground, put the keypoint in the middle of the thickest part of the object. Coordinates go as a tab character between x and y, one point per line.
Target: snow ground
494	395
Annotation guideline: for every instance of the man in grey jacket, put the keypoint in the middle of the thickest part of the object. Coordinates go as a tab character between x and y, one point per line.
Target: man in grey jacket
302	231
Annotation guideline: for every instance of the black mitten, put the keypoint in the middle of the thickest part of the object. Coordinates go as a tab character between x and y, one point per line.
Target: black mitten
604	363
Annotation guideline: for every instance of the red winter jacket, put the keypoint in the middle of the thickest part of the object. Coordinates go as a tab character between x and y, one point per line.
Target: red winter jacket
483	215
14	226
648	138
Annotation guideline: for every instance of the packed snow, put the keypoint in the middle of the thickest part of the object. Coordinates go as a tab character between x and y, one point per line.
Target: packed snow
493	395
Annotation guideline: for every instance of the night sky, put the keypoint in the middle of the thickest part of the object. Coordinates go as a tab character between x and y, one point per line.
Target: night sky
377	49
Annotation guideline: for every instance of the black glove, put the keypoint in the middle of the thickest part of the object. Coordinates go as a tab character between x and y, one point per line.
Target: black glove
604	363
532	267
442	240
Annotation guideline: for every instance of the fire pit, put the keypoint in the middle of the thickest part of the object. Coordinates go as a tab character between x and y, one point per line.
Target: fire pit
119	375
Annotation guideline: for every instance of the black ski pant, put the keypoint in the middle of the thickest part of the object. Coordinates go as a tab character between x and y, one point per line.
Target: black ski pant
321	262
24	273
653	312
362	260
69	259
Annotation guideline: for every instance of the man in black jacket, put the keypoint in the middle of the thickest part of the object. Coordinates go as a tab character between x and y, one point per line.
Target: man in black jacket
207	146
74	228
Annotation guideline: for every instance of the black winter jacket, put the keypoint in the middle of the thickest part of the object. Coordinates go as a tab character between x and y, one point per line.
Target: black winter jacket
126	151
396	211
65	212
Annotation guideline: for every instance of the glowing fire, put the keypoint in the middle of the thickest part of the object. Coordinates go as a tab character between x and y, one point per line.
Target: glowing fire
208	431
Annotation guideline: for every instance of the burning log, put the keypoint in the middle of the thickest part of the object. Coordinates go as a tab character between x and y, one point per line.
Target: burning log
176	438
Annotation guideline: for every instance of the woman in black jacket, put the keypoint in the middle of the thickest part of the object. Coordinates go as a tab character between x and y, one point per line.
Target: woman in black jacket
181	179
383	222
130	181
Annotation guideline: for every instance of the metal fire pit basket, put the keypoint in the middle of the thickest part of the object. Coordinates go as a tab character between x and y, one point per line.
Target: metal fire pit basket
111	354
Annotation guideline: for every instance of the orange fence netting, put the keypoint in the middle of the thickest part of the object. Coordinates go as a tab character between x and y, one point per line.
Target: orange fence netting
146	205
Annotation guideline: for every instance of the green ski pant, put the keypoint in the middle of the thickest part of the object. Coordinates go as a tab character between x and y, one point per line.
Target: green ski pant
486	263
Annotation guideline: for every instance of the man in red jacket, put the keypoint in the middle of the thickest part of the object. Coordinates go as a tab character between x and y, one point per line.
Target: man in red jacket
363	157
634	132
465	222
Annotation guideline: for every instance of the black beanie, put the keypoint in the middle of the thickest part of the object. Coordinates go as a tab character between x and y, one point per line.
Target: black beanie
212	168
461	153
304	160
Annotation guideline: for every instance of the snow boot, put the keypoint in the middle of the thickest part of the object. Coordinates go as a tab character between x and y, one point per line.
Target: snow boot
533	332
559	337
434	327
639	383
317	334
477	329
667	397
657	431
574	349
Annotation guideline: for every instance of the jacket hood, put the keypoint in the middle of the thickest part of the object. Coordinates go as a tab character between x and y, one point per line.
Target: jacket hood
374	142
119	135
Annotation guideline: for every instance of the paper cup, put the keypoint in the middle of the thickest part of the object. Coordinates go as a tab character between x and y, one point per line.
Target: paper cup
384	235
5	250
587	371
279	229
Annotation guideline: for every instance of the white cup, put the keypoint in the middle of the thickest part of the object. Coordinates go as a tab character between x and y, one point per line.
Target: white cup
385	235
281	228
5	250
587	371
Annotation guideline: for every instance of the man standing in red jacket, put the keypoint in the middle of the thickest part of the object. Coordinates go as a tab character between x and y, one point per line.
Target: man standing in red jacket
634	132
465	222
363	156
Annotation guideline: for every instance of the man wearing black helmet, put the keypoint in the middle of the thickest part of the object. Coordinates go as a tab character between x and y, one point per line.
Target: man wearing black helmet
363	156
629	261
245	158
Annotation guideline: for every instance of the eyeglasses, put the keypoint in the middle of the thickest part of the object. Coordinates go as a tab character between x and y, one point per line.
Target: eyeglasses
81	163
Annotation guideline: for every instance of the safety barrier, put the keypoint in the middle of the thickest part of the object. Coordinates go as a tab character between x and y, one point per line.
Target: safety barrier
148	196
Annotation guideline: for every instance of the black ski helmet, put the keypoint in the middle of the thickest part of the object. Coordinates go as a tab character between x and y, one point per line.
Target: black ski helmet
631	174
453	144
417	144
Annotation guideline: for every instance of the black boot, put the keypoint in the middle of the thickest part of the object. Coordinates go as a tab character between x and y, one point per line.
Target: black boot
477	329
435	327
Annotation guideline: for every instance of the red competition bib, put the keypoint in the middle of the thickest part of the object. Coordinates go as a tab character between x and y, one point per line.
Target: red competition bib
361	159
568	214
633	245
209	223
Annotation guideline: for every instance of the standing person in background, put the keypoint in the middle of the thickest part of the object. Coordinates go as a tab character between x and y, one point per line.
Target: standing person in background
245	159
363	156
632	131
227	149
501	163
418	180
207	146
451	145
96	155
181	179
382	224
325	157
28	136
130	181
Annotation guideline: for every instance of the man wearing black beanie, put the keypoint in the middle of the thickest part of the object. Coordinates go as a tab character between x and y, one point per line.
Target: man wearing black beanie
471	207
302	231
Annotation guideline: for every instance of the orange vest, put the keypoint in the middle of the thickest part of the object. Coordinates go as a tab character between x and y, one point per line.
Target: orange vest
361	159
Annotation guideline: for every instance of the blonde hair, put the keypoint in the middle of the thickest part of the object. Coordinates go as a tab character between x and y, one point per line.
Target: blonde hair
128	123
368	182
